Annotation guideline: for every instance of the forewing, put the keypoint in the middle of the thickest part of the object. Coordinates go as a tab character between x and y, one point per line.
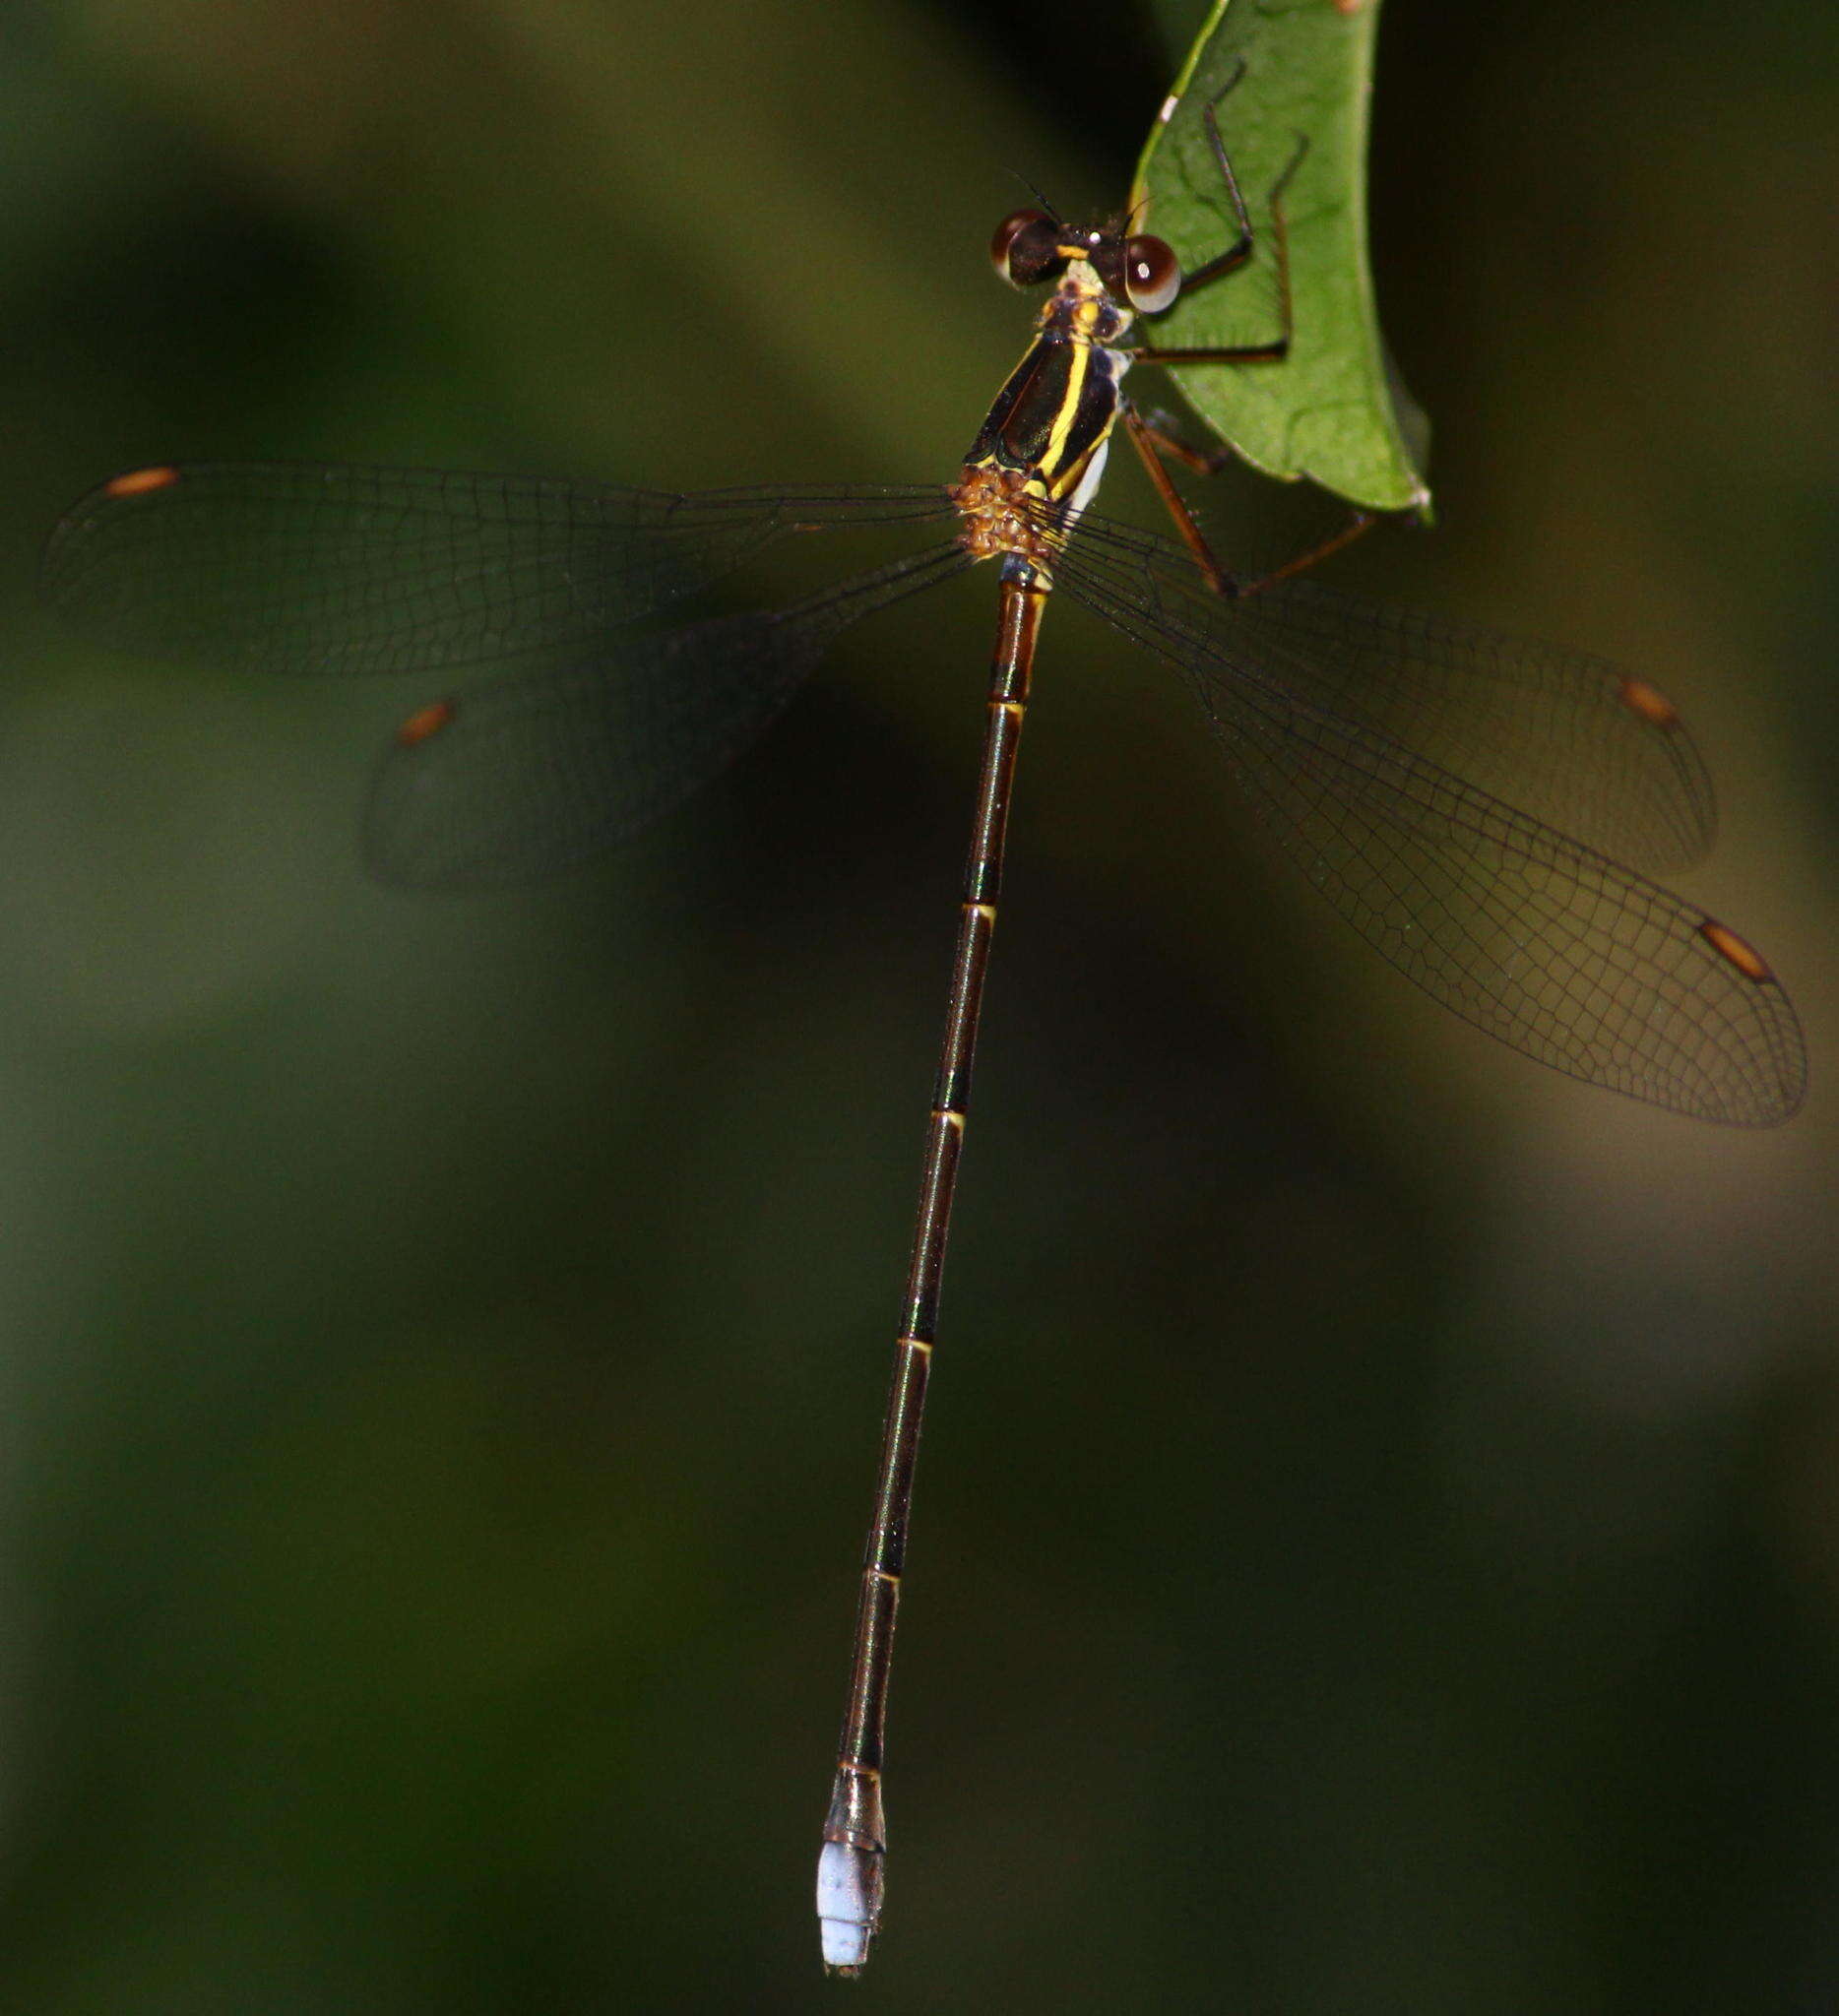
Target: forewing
1573	741
329	570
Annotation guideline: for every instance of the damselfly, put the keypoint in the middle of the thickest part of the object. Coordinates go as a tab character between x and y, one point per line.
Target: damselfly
1466	802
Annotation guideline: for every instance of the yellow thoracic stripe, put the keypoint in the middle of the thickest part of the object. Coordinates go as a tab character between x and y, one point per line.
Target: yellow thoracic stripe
1054	459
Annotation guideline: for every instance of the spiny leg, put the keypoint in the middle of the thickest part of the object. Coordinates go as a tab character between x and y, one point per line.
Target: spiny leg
1157	443
1150	443
1276	348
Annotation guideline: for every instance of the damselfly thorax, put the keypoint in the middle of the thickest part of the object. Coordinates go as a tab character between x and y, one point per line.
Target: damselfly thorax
1048	432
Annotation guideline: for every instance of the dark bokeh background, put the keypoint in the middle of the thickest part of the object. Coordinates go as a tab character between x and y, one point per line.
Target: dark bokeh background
1378	1536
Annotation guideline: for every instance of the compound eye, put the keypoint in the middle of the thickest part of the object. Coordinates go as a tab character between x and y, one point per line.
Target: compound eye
1152	274
1025	247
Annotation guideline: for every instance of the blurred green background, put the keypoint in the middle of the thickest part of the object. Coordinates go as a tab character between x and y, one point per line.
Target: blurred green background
1377	1543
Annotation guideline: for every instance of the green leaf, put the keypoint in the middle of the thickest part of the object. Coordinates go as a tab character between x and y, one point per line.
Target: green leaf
1333	409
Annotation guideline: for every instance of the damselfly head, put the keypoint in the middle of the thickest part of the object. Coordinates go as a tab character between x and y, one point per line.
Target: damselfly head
1030	247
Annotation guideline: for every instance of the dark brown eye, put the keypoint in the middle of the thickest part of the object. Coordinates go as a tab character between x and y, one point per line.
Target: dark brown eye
1152	274
1023	251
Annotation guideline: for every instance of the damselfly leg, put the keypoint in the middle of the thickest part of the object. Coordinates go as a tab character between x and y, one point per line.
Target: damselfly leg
1155	437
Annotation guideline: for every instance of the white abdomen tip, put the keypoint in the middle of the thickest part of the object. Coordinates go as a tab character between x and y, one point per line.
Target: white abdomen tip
846	1914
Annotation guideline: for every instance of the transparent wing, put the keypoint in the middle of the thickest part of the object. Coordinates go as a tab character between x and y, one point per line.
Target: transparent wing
277	567
1543	941
528	775
1572	739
